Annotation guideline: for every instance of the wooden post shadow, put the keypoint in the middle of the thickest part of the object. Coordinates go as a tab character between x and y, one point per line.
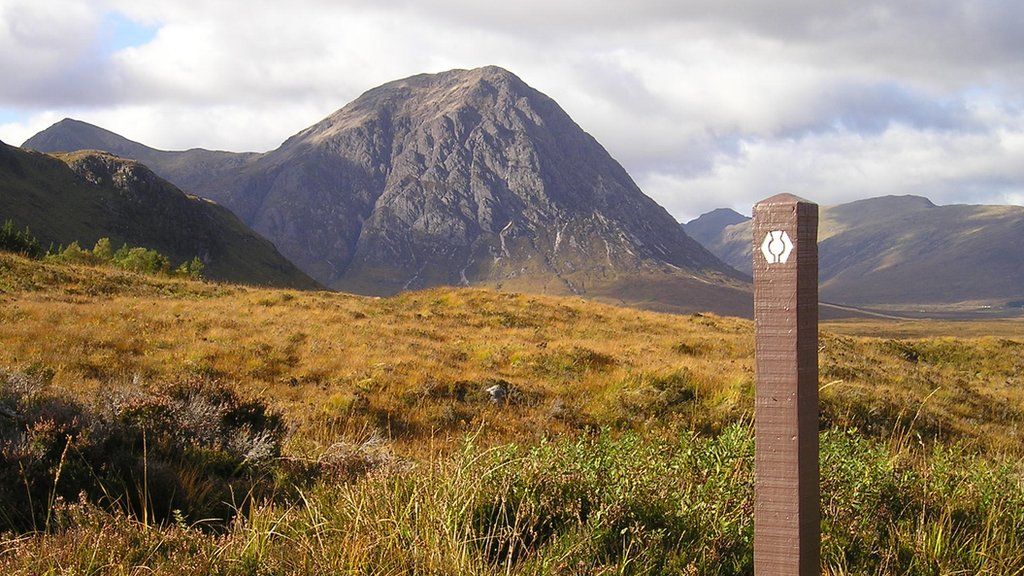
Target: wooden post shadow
787	516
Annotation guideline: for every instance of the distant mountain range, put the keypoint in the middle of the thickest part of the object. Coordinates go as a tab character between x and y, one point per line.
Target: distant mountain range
462	177
899	251
84	196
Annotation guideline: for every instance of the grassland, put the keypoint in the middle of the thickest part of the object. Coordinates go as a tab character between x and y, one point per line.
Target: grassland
623	445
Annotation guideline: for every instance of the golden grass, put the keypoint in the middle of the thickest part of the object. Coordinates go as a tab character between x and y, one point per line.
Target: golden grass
927	328
474	482
414	368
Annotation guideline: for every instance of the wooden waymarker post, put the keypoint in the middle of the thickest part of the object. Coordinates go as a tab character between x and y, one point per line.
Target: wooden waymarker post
787	516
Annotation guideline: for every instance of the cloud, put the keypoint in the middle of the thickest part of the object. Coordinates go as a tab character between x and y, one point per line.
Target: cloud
842	166
17	131
46	52
706	103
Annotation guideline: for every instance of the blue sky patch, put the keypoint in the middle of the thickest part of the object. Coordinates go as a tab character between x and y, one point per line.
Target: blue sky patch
119	32
8	115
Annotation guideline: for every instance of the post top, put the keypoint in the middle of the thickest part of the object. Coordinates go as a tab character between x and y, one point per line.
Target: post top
783	198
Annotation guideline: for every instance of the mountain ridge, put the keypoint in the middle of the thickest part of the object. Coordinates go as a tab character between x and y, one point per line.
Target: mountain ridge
707	226
187	169
906	250
86	195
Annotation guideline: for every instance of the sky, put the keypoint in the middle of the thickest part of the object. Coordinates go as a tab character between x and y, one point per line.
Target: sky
707	103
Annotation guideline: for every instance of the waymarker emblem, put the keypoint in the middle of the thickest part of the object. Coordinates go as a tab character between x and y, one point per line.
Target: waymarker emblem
777	247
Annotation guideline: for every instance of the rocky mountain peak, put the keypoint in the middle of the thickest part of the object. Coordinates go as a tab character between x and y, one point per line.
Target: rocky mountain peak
71	135
461	177
423	96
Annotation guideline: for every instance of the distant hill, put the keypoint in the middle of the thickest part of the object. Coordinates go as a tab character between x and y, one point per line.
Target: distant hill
708	225
905	250
707	229
189	169
465	177
84	196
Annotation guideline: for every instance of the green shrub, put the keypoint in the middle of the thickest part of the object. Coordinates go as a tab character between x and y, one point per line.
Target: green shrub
141	260
19	241
103	250
73	254
132	259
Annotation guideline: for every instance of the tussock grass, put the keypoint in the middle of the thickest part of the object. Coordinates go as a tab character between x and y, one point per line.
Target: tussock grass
598	504
622	445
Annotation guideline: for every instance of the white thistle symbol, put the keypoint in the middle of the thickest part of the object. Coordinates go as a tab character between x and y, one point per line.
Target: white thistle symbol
777	247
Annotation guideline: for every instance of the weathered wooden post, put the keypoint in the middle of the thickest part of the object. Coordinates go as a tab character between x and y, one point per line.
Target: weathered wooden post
787	516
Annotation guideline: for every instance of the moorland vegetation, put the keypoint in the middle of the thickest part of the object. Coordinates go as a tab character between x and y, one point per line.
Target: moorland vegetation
158	424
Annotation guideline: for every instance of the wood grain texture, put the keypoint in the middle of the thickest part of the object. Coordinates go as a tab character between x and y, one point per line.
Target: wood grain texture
787	524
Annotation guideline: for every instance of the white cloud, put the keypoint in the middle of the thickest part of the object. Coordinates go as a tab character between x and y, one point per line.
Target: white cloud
842	166
42	45
14	133
706	103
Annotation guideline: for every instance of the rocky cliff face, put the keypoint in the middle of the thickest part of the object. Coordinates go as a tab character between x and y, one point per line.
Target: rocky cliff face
457	178
467	177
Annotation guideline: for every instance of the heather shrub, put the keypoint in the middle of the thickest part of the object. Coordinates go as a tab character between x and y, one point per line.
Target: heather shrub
193	450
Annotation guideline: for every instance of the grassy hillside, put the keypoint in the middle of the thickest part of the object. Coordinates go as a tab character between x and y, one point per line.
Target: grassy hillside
621	442
402	364
85	196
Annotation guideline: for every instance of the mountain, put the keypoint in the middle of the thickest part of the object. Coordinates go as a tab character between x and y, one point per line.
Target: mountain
84	196
188	169
905	250
462	177
707	229
708	225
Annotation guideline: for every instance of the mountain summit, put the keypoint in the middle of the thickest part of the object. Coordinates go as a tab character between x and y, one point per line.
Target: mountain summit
462	177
